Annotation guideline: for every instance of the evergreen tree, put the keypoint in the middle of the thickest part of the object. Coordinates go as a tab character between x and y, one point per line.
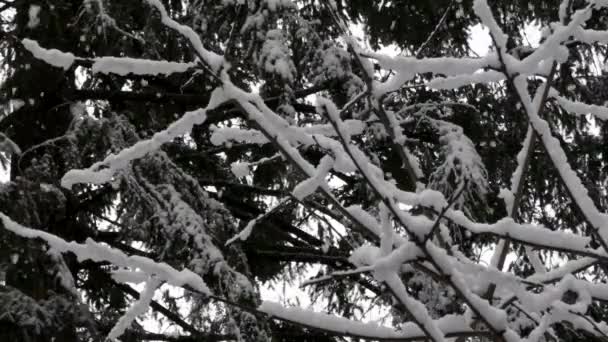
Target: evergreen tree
222	146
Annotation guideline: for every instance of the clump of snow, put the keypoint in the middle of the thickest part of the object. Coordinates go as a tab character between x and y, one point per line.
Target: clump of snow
460	163
33	16
364	255
239	170
53	57
274	56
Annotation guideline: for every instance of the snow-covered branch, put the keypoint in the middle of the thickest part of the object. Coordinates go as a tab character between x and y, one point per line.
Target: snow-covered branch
95	251
398	233
106	65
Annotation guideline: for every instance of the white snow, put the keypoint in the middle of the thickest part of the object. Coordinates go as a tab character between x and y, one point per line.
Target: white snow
33	16
310	185
106	65
560	161
239	169
212	59
346	327
124	66
415	309
103	171
53	57
458	81
579	108
138	308
95	251
275	56
408	67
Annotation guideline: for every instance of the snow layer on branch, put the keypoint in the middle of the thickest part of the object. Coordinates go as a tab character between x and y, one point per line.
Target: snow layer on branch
590	36
270	123
128	276
344	163
406	252
407	67
449	66
343	326
365	218
479	277
246	232
103	171
417	310
579	108
275	56
495	317
212	59
599	291
453	82
328	322
95	251
138	308
569	267
223	135
124	66
578	192
552	47
239	169
373	174
106	65
296	135
53	57
535	260
310	185
526	233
